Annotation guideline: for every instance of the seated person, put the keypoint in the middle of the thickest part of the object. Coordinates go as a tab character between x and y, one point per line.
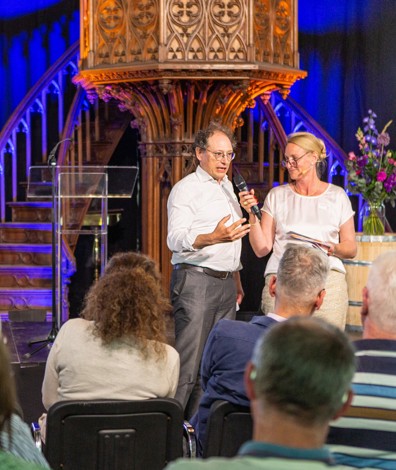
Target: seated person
367	435
17	448
298	380
131	259
117	350
298	289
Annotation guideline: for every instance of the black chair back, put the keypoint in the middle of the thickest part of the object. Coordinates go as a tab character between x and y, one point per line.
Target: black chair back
119	435
228	427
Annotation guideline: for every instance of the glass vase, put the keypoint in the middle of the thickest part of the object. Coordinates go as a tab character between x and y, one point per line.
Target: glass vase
373	217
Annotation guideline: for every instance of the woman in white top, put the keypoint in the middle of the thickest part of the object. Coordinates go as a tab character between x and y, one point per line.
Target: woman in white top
118	349
310	207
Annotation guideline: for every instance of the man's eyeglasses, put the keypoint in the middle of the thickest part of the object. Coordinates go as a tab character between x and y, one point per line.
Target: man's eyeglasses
292	161
219	155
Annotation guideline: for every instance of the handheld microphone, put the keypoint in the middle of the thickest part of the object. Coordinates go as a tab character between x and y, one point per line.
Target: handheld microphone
240	183
51	155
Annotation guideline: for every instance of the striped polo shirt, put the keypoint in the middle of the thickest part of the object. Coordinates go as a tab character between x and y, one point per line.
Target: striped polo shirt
366	436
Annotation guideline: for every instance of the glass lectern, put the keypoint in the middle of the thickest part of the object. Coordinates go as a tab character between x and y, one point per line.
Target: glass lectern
74	193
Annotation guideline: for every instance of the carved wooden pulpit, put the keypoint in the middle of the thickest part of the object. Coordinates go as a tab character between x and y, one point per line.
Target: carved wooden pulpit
175	65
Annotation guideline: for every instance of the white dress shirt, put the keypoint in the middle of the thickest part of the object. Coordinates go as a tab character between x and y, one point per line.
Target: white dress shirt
196	204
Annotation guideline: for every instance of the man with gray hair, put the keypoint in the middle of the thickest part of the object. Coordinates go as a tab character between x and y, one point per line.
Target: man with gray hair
298	289
298	380
366	436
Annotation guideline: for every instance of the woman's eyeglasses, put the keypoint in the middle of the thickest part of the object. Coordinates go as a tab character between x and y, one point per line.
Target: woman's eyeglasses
292	161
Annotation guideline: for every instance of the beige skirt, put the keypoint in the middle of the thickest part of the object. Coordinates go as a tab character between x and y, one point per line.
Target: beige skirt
335	305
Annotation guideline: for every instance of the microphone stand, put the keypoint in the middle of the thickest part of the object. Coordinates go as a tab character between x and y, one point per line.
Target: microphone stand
54	320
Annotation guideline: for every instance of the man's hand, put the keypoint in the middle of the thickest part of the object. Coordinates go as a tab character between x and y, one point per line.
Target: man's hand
233	232
222	233
239	288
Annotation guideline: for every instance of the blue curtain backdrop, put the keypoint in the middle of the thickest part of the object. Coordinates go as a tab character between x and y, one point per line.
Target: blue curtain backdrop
33	35
347	47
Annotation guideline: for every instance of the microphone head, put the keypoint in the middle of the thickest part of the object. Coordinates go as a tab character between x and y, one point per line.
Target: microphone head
240	183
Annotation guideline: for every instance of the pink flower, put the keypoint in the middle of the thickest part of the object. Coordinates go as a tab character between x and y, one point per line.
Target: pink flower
352	156
381	176
358	172
383	139
391	161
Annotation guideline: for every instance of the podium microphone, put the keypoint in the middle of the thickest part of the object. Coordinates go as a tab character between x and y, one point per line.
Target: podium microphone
240	183
51	155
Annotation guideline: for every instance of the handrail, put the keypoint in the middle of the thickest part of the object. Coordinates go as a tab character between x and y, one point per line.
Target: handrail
31	96
70	123
309	122
274	122
21	116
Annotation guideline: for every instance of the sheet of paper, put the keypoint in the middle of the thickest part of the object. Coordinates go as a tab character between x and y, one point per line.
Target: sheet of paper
321	245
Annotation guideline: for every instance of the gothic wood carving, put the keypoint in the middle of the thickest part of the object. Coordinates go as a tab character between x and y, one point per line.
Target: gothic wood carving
175	65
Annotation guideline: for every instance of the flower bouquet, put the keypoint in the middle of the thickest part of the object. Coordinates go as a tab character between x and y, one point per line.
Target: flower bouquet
373	173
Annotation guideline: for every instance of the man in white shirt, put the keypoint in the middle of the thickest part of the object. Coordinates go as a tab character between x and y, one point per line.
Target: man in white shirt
205	227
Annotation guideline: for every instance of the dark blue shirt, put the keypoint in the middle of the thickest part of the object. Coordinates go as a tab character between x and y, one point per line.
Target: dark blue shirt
228	349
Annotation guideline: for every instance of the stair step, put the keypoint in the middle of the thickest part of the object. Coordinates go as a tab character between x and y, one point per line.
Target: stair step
17	276
23	232
22	298
43	204
22	316
31	211
25	254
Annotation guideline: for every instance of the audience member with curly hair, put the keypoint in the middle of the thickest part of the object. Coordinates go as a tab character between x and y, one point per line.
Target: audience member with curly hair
118	349
17	449
131	259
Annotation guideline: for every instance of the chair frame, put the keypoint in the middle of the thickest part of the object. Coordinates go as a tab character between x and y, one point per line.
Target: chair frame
228	427
117	427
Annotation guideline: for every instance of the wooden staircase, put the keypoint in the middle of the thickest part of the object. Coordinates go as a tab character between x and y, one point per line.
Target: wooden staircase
25	223
25	259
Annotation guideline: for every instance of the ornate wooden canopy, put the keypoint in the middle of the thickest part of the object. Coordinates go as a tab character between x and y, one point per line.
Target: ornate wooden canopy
178	64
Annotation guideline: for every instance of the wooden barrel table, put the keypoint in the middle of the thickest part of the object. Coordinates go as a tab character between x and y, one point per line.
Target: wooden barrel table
368	248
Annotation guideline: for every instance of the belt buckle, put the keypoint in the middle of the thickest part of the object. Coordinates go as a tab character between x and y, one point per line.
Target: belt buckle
223	275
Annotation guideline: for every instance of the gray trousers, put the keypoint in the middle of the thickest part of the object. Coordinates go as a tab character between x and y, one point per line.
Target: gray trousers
199	302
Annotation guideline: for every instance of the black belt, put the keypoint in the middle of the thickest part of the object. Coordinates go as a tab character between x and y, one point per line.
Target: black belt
207	271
